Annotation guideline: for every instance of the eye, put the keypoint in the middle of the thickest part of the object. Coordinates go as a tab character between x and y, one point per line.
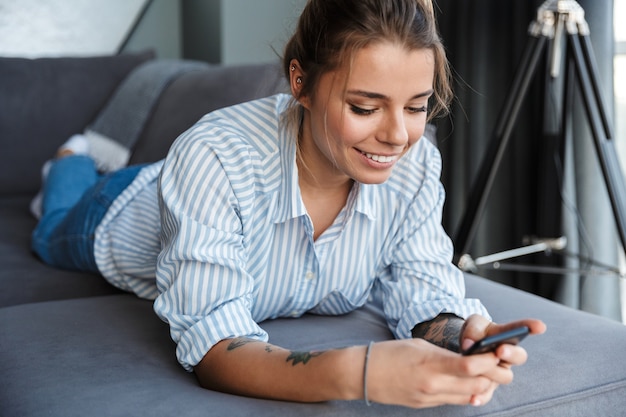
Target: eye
361	111
422	109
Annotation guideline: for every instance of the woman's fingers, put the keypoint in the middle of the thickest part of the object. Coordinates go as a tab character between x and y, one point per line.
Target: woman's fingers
418	374
512	355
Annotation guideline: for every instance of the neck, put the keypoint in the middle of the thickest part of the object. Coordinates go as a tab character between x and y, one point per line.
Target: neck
328	182
322	196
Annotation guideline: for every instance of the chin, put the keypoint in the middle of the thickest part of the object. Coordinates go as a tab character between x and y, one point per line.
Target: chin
372	179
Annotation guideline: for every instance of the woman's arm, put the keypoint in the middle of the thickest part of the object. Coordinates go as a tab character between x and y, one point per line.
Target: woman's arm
257	369
444	331
411	372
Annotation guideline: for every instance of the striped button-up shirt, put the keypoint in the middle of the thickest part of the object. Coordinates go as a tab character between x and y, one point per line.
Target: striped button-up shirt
237	243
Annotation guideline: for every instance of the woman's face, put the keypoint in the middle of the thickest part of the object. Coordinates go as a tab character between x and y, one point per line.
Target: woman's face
360	122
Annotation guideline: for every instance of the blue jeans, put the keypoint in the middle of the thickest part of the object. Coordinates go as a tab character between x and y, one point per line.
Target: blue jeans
75	199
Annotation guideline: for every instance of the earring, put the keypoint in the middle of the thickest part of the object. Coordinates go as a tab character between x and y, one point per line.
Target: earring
299	80
293	68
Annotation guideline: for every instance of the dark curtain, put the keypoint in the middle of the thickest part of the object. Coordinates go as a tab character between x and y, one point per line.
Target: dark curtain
546	185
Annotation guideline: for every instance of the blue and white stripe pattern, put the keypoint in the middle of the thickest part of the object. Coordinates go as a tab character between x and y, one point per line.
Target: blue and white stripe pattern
238	244
127	241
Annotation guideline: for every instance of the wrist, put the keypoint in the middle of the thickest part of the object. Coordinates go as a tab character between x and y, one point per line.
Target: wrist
347	369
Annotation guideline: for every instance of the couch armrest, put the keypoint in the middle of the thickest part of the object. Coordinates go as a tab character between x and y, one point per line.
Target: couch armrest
44	102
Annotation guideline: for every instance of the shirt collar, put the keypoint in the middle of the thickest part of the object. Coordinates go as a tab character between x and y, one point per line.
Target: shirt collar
365	200
290	204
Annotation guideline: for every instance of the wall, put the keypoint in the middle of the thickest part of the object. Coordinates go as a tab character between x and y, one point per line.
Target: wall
238	31
216	31
201	30
34	28
160	29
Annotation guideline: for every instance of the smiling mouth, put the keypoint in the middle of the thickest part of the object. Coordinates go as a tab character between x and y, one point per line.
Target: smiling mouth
379	158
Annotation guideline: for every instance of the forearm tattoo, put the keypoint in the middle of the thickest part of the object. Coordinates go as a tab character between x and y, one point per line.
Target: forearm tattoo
296	357
444	330
239	342
301	357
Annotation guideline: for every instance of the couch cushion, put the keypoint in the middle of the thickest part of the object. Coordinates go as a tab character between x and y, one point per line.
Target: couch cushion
576	369
111	356
196	93
45	101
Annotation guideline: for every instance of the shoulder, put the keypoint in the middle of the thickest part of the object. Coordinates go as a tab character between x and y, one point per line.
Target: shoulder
257	119
250	127
250	112
240	145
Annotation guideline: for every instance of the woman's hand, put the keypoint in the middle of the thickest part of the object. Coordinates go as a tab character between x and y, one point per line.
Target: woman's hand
477	327
416	373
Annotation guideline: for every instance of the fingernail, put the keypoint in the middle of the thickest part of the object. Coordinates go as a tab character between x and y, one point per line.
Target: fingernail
505	353
476	402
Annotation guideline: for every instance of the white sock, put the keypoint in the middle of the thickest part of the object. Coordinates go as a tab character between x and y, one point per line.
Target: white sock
108	154
78	144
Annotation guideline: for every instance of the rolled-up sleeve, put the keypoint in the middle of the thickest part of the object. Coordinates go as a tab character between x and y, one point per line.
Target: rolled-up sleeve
205	293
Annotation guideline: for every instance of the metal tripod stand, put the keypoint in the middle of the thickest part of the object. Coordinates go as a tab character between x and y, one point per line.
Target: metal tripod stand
561	25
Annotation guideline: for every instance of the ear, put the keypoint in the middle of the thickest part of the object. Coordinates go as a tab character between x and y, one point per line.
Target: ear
296	81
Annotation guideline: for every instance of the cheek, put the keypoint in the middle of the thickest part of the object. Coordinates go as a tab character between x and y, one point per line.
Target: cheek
351	130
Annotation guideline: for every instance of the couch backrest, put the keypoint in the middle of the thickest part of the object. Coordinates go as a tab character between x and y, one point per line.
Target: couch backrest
196	93
45	101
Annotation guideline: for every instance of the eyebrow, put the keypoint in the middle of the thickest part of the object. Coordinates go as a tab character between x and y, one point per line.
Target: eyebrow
378	96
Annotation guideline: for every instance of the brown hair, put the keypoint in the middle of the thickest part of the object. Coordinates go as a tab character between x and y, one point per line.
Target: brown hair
330	31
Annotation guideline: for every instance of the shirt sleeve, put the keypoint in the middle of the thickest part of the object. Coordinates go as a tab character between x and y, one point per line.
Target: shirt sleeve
205	293
423	281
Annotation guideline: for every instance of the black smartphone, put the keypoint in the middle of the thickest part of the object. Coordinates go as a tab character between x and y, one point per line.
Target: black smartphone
490	343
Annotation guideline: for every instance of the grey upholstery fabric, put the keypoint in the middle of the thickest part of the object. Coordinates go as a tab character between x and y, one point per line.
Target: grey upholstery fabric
125	115
193	95
111	356
45	101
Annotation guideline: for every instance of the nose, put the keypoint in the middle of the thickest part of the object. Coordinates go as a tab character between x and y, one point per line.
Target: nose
394	129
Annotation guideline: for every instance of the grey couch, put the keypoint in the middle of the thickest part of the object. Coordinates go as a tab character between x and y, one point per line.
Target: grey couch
71	345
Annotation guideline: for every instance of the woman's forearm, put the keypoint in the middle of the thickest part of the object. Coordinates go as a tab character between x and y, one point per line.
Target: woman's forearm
258	369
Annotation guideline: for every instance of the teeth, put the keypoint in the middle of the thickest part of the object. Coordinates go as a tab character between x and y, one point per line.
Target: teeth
379	158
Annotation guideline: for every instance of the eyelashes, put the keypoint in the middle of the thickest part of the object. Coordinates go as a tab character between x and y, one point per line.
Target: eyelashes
361	111
422	109
366	112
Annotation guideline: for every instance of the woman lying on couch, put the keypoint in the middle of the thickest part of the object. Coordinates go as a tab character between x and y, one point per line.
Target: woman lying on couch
312	201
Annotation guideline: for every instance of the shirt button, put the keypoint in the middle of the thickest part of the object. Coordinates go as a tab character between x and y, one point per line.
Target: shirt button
310	276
